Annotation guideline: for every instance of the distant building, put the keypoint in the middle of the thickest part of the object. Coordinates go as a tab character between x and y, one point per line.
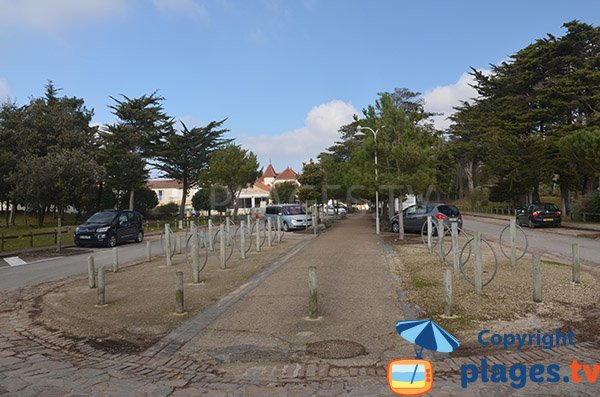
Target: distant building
258	195
255	196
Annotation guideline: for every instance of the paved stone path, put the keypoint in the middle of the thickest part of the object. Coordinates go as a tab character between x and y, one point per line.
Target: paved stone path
243	353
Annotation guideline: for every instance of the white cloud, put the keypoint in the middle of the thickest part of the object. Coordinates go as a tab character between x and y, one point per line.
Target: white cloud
52	16
4	91
295	147
189	8
441	99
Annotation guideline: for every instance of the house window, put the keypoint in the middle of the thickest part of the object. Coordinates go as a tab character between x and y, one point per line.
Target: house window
160	195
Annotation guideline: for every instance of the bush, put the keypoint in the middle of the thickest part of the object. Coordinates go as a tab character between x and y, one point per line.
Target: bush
587	203
166	211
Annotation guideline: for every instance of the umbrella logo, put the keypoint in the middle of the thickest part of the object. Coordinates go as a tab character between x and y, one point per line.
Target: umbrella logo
412	377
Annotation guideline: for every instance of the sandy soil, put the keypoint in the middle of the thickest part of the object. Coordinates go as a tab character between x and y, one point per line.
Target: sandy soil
506	304
141	298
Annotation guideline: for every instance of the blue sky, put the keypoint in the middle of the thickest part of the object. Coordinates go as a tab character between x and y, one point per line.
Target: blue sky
286	74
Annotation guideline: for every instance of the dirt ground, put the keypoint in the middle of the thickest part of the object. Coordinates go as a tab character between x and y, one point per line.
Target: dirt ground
506	304
141	298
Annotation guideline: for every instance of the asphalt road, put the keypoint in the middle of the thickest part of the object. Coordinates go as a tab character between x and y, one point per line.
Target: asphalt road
60	267
552	243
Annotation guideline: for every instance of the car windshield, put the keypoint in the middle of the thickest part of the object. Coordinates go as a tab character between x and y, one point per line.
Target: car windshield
295	210
102	217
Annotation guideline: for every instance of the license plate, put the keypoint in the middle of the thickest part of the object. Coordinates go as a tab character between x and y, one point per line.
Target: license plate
548	219
453	219
85	237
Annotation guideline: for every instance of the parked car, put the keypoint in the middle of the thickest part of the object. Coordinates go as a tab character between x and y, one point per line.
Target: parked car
293	216
545	214
331	209
109	228
415	217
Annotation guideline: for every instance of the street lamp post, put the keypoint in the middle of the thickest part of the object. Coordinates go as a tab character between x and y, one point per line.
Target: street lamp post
360	133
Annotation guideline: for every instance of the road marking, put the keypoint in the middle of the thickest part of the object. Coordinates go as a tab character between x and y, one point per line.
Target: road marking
14	261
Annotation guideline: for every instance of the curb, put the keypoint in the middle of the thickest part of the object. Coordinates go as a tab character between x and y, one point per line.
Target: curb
565	225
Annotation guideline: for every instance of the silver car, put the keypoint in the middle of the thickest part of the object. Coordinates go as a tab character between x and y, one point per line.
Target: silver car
415	217
292	216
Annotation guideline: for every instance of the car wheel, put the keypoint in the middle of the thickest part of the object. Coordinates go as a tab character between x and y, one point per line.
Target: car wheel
286	227
112	241
395	227
530	224
518	222
140	237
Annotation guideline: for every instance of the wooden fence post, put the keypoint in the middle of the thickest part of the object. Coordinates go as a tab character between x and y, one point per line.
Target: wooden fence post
478	264
537	279
513	248
313	307
115	263
448	292
440	233
179	306
91	272
168	247
211	246
576	264
242	240
148	251
269	237
101	286
222	245
429	231
455	249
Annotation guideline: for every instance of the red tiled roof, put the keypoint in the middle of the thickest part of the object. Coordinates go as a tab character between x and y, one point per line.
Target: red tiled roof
269	172
165	184
288	173
262	186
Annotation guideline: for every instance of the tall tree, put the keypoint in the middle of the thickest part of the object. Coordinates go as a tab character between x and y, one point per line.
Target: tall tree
10	121
312	182
233	168
56	143
131	142
284	192
184	155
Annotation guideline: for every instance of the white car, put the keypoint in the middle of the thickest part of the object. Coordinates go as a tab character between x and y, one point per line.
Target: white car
331	210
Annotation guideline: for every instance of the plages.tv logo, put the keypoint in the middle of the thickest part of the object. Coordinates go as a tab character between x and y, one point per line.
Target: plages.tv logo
412	377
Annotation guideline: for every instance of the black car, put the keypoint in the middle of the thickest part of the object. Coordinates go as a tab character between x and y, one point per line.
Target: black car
109	228
415	217
544	214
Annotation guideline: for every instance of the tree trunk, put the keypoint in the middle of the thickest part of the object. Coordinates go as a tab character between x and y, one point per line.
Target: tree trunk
58	230
99	196
468	168
565	198
13	214
41	213
7	214
131	198
535	196
183	199
235	203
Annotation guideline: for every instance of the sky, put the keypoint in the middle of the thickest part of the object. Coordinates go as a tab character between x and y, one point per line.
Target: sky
285	73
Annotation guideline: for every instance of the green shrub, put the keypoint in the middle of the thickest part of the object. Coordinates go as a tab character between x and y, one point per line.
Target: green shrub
166	211
587	203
